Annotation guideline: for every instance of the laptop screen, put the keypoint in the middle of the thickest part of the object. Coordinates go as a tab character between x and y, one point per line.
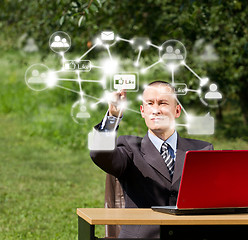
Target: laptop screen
214	179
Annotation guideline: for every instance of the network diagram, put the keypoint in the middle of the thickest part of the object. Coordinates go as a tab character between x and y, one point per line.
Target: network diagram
172	54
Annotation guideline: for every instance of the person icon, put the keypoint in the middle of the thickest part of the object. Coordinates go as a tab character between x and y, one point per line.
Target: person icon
64	42
83	113
213	93
37	78
172	55
60	42
57	42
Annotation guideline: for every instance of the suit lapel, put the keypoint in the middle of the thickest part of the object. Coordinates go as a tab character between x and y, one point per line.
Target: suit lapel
153	157
180	156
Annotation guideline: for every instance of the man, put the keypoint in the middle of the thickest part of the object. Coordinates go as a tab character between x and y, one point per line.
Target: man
149	169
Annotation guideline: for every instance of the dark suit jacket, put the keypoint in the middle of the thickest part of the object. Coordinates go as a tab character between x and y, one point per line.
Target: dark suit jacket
144	176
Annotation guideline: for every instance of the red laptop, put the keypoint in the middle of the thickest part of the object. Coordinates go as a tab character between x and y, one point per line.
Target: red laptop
212	182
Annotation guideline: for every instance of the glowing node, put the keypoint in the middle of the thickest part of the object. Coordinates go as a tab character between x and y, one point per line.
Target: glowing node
160	60
143	70
148	42
98	41
93	106
145	86
131	41
204	81
140	48
140	98
160	48
110	66
136	64
172	67
182	63
106	46
81	93
61	53
51	79
123	105
199	91
117	38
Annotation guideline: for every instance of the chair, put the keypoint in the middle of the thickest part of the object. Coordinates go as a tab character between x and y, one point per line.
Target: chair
114	198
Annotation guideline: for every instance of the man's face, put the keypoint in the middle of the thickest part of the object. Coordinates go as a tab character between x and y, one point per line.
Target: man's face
160	108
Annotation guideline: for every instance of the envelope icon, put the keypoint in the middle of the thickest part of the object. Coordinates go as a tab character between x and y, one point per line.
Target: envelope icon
107	35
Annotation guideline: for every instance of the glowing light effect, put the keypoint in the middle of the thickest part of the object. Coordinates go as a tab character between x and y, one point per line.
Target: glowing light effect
110	66
51	79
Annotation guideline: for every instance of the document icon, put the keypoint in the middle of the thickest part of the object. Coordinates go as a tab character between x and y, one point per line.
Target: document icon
107	36
201	125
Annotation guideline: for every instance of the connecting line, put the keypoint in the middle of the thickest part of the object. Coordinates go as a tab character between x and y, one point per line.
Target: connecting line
67	79
98	99
145	69
67	89
109	53
182	108
125	40
155	46
129	109
192	90
88	51
117	120
80	87
93	66
181	125
191	70
138	58
57	71
96	81
172	77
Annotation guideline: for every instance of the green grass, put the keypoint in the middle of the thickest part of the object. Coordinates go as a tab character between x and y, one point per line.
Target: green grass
45	168
42	185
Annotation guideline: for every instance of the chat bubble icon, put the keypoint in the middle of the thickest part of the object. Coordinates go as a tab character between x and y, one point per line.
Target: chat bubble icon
202	125
101	141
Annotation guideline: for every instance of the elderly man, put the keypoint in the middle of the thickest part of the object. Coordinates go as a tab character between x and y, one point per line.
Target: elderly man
149	168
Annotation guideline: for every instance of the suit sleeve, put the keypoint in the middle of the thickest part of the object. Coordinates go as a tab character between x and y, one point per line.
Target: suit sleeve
114	162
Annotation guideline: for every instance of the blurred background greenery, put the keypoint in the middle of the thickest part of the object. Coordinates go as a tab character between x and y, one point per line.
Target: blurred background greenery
45	169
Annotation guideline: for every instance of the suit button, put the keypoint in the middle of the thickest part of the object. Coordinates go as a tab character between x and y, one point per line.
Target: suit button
173	193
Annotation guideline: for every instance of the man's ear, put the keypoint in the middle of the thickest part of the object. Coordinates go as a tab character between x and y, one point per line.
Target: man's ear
178	111
142	111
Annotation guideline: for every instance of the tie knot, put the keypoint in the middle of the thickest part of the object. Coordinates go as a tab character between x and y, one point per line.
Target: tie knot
164	146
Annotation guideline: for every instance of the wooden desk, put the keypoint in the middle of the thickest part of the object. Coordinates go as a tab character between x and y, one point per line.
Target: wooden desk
172	227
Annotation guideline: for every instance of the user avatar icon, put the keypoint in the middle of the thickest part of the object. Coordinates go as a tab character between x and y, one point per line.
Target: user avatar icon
37	76
79	112
60	42
172	52
83	113
213	93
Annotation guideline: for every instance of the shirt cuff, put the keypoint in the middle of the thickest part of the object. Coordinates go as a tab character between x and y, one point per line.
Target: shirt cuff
110	123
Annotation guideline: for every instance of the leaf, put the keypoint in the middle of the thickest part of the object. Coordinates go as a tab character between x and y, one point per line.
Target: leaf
74	4
82	18
94	8
62	19
99	3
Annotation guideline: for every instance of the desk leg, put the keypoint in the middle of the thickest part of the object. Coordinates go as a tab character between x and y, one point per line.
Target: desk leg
85	230
199	232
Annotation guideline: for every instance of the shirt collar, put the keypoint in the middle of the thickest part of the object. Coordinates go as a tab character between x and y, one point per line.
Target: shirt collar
157	142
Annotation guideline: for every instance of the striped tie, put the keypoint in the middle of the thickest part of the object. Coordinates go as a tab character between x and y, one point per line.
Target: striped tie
169	161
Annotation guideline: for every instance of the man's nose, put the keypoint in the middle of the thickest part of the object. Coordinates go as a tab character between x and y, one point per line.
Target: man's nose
156	109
